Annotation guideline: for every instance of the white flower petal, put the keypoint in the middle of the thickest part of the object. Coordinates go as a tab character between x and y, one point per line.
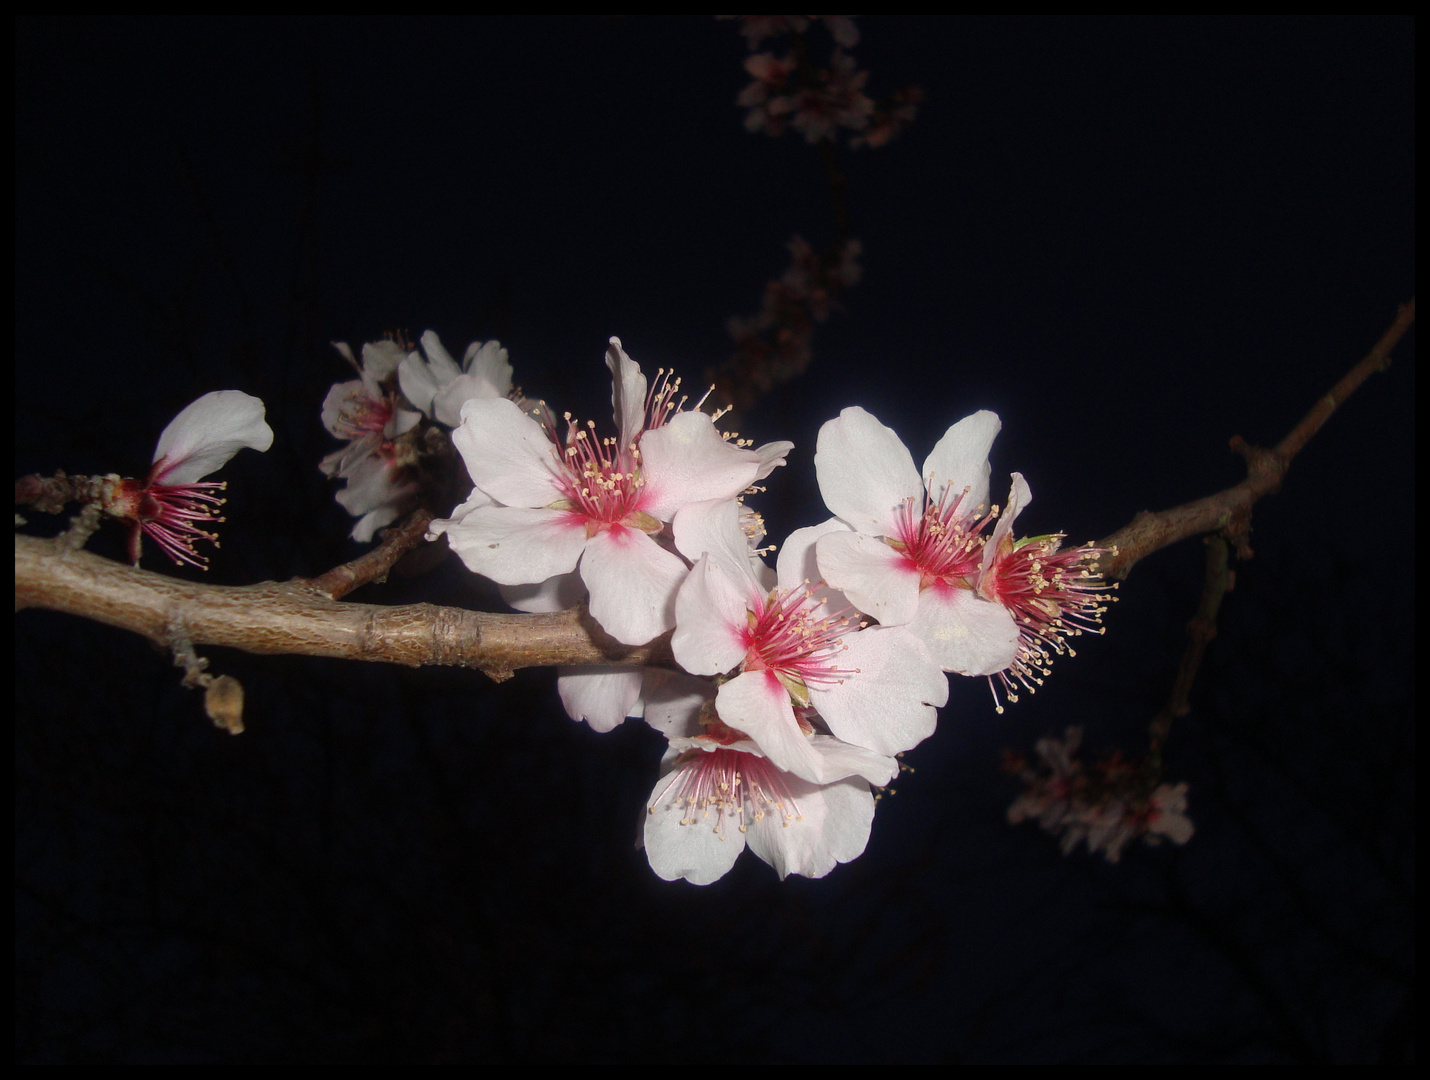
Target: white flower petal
1019	496
960	460
965	633
554	594
367	525
757	703
772	456
889	703
601	695
516	546
822	827
713	528
633	582
865	473
673	701
686	461
699	844
796	562
507	454
208	432
628	390
373	483
478	498
710	619
339	394
841	760
379	360
489	362
877	579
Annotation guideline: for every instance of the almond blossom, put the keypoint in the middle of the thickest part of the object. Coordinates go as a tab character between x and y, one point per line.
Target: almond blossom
435	384
597	502
1108	806
174	500
909	548
1051	593
368	413
718	793
796	650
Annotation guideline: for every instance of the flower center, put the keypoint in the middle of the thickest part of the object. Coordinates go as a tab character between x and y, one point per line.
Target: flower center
603	480
797	637
1052	596
361	415
736	787
943	539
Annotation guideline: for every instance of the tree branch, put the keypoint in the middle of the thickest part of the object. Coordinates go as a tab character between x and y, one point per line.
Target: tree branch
306	617
300	617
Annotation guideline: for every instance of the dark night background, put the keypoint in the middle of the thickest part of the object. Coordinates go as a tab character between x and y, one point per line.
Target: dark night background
1131	238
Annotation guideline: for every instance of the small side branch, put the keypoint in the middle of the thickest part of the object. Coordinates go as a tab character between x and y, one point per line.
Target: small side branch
1229	511
374	565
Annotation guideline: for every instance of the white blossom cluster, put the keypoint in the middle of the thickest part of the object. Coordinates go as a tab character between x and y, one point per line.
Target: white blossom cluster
799	683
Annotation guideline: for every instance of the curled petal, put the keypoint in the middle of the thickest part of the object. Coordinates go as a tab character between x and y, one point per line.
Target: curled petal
628	392
206	433
960	460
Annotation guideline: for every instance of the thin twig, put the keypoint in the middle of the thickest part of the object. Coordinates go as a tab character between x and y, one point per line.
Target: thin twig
374	565
1230	510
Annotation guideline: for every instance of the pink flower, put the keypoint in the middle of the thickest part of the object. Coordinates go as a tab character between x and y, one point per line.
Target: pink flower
835	99
719	793
1107	806
796	653
368	414
593	501
174	500
910	550
1051	594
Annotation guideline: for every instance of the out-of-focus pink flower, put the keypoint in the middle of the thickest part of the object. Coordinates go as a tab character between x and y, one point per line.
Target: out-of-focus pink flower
1108	806
910	550
719	793
758	27
767	98
833	100
174	500
889	116
774	346
595	501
